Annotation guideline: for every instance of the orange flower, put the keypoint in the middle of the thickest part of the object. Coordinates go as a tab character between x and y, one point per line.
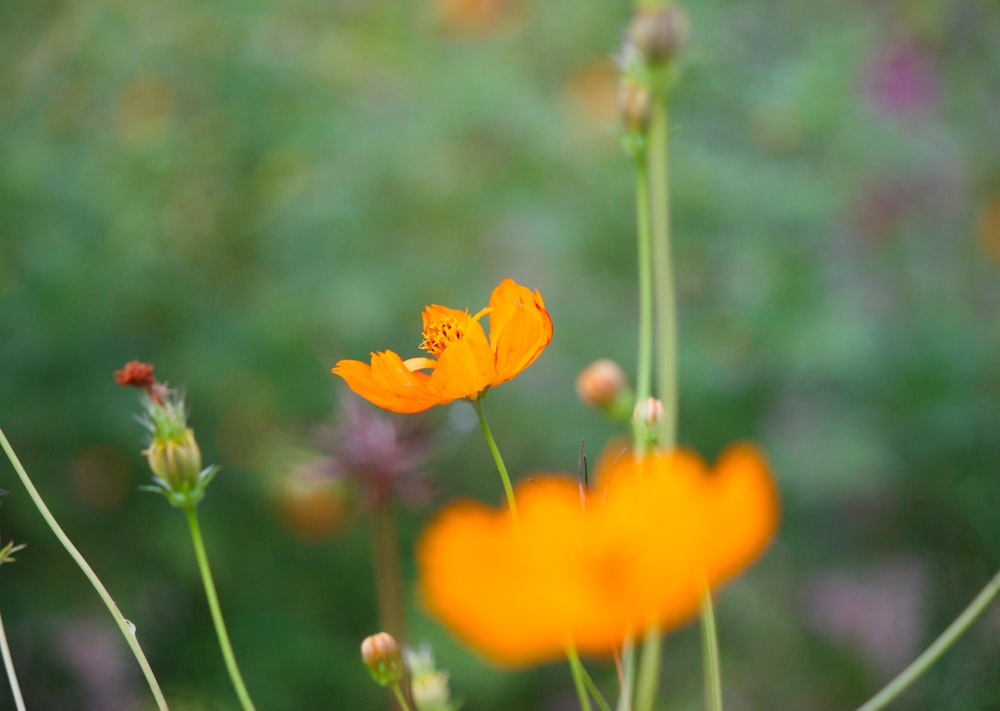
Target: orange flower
466	362
638	550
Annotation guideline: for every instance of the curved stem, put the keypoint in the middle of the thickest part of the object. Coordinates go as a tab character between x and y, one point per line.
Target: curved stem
937	648
578	678
126	627
400	697
501	467
213	604
8	663
710	655
577	666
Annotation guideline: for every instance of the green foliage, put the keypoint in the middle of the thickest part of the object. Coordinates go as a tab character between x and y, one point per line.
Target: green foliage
244	193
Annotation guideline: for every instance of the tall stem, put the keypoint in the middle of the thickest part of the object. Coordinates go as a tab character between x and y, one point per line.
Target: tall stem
663	273
937	648
710	655
8	663
644	371
501	467
126	627
388	578
213	605
649	671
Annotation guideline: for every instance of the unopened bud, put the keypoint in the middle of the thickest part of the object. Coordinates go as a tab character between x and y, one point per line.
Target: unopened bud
382	657
600	383
176	460
648	412
659	34
634	105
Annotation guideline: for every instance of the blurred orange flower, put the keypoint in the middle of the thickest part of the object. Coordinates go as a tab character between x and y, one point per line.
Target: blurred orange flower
590	570
467	363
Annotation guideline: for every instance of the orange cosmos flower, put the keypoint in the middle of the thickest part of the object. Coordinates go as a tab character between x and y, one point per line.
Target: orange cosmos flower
638	550
467	363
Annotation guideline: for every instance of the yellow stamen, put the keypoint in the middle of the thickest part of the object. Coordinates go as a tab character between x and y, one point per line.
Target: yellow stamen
441	333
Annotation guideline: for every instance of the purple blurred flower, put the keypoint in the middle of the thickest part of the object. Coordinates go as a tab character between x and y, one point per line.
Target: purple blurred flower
901	79
381	455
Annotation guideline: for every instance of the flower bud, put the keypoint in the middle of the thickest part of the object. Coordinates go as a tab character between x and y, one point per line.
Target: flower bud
176	459
634	105
659	34
648	412
600	383
382	657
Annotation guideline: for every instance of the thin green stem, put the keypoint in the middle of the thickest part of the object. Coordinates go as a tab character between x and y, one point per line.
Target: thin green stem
663	277
388	578
930	655
578	678
628	675
126	627
710	655
213	604
400	697
8	663
644	371
578	669
649	671
501	467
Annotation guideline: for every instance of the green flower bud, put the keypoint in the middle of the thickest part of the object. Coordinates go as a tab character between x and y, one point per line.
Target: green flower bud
175	460
381	655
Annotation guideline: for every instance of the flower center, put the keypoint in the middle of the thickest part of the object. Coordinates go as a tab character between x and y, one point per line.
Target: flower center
441	333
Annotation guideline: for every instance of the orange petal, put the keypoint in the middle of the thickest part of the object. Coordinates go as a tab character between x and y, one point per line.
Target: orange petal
743	512
464	370
520	328
388	383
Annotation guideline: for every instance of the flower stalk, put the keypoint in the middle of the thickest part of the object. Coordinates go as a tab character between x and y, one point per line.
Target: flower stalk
501	467
216	610
941	645
8	663
126	627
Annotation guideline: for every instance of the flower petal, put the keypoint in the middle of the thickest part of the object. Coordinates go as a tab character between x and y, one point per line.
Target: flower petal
464	370
388	383
520	328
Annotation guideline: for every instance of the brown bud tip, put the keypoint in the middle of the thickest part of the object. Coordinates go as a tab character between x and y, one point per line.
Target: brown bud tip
136	375
381	655
634	105
659	34
600	383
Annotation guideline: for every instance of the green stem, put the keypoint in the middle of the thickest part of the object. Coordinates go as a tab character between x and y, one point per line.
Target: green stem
578	678
400	697
126	627
588	681
649	670
628	674
213	604
710	655
937	648
8	663
501	467
388	578
644	374
663	278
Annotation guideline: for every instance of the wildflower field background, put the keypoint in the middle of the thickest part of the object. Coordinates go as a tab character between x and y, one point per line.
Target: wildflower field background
246	193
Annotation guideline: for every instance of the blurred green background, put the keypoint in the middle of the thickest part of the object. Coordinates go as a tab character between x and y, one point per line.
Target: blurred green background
245	192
